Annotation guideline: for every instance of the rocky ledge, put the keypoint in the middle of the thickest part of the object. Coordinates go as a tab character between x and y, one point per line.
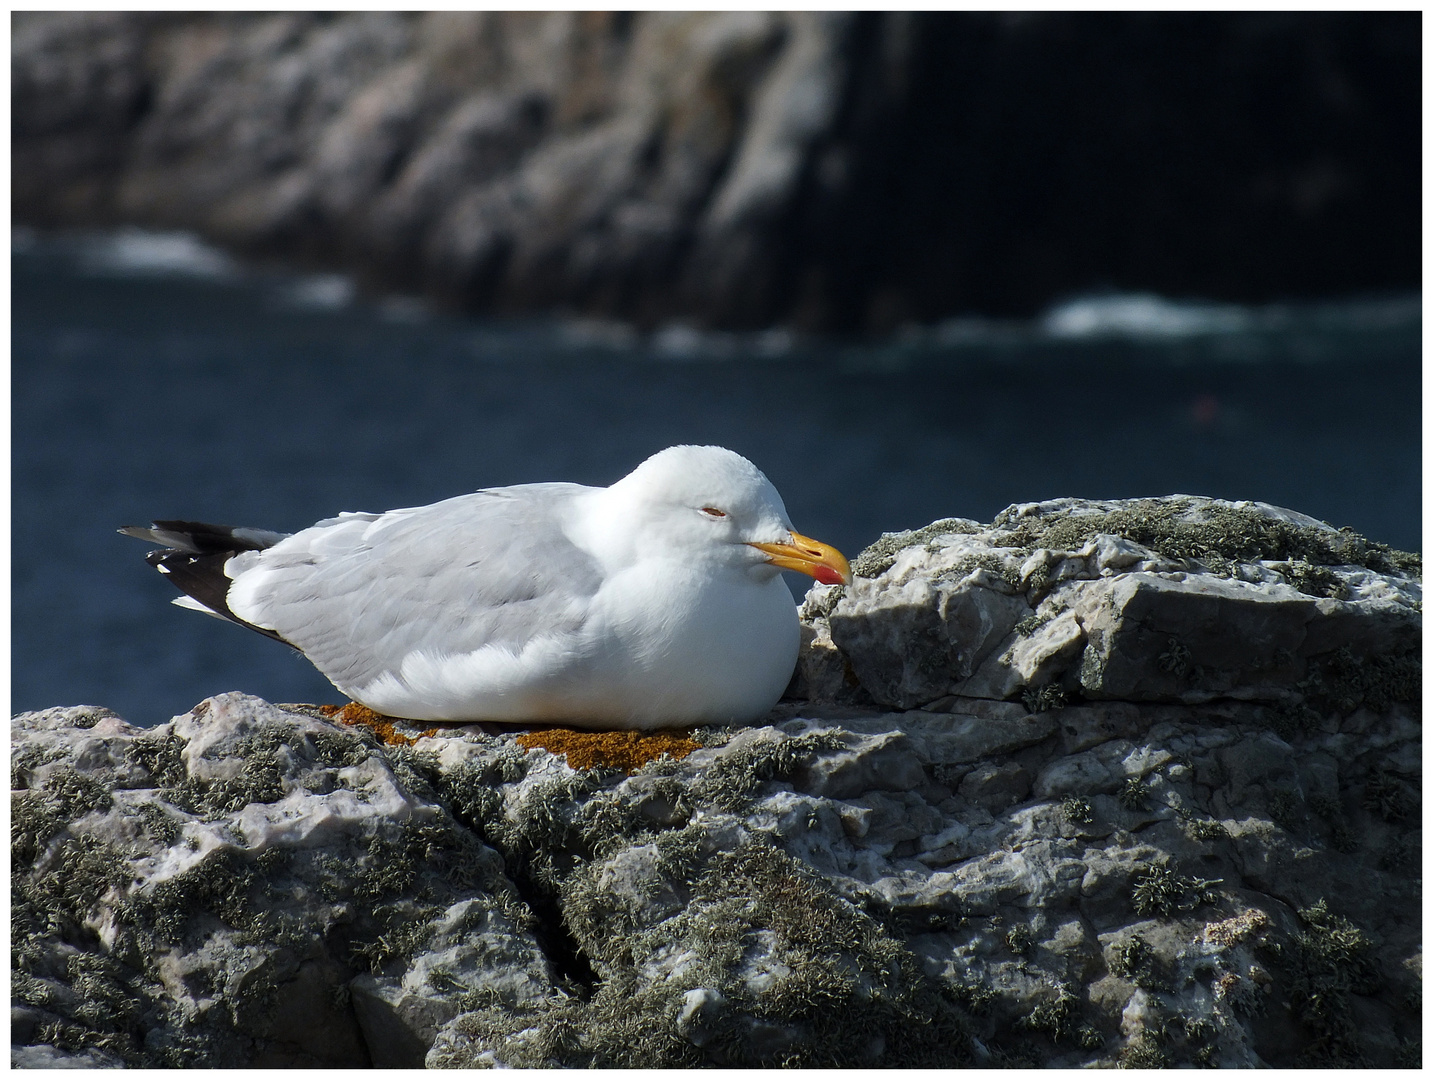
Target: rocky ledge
1127	783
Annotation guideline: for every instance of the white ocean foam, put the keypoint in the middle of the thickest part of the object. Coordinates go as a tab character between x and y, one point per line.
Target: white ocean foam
598	333
1223	331
404	309
1143	315
138	252
773	343
319	292
678	341
681	342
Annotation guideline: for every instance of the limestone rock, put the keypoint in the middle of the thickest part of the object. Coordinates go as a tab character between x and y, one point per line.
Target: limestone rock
1176	599
1222	869
204	892
47	1057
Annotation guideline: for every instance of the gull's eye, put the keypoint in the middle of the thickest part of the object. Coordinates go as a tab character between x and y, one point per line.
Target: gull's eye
713	512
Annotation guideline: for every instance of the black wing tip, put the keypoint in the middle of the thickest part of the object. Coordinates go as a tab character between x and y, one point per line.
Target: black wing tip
201	576
202	538
192	555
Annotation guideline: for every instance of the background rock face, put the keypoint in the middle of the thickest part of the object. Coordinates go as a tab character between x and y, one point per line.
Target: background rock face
1144	859
840	171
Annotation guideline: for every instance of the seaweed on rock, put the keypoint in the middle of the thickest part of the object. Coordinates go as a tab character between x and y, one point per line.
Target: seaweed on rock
735	778
1058	1018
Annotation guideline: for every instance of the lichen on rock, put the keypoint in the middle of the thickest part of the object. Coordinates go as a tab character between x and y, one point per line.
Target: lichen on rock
1175	599
624	750
223	877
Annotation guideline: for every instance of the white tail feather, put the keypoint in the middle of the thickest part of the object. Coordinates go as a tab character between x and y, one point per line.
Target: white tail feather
194	605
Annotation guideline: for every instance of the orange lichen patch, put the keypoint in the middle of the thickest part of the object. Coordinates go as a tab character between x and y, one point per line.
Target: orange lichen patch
625	750
1232	931
1227	984
355	714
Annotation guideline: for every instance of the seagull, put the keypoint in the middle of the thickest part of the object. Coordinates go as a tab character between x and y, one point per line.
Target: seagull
656	602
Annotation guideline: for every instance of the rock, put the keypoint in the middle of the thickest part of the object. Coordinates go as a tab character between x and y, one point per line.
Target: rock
47	1057
1228	881
398	1027
738	169
996	786
212	887
699	935
958	739
884	761
1178	599
701	1012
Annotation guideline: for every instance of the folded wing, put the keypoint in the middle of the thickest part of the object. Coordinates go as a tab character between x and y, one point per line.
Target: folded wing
362	593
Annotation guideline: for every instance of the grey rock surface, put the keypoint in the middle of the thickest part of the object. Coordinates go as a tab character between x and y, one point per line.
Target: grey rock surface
838	171
1160	600
204	893
1218	871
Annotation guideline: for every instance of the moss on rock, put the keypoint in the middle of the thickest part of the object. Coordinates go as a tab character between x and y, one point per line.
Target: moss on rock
1215	533
1326	962
829	987
881	556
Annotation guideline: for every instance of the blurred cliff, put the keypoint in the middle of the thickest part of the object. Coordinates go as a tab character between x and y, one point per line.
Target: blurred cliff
832	171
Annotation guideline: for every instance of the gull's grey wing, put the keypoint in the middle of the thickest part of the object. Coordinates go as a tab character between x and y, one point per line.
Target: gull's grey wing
360	592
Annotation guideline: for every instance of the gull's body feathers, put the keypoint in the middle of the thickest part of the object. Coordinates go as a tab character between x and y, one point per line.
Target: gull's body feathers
629	606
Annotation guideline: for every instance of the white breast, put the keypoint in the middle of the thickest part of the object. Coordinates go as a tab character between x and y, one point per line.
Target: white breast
699	650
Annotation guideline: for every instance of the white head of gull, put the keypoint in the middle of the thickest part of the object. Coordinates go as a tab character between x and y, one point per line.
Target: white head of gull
656	602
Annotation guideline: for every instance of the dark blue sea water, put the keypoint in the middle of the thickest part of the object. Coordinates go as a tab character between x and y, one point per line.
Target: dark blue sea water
152	378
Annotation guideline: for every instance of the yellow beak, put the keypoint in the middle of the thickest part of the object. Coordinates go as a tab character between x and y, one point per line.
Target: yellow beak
807	556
